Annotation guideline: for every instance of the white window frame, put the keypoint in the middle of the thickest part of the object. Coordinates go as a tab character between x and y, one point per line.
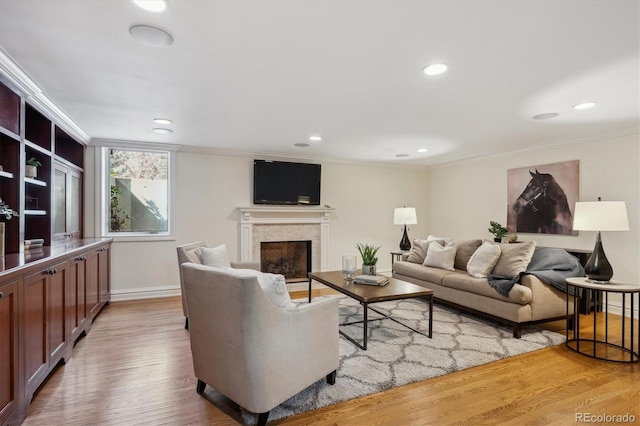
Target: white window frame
103	202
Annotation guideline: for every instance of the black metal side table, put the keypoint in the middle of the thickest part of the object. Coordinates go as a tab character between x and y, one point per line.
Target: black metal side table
397	255
622	348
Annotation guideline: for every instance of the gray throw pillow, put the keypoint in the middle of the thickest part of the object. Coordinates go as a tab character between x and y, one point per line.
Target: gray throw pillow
464	251
419	250
514	259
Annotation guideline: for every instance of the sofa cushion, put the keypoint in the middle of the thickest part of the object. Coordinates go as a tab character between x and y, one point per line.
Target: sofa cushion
441	257
462	281
464	251
483	260
213	256
514	258
419	250
420	272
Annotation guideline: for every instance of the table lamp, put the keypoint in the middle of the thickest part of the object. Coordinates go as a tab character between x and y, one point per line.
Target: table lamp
600	216
405	216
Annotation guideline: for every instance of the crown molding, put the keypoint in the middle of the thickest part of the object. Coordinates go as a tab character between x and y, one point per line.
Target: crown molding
34	94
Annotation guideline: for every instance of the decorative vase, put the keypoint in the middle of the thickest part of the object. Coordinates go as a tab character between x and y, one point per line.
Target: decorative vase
497	240
368	269
30	171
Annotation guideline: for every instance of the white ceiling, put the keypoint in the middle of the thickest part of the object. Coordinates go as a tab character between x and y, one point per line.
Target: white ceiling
262	75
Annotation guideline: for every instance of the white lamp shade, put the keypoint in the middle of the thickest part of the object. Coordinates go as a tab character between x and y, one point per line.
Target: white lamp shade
405	216
601	216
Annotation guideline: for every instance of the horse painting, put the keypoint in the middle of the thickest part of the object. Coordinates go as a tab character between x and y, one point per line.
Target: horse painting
542	207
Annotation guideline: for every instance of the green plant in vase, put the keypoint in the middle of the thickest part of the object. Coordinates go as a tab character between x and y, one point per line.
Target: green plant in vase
368	253
31	169
498	231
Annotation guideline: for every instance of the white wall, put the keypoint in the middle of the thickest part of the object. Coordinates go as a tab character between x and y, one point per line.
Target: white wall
465	196
209	188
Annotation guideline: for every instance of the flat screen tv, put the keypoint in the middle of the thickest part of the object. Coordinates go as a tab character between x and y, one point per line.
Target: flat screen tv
285	183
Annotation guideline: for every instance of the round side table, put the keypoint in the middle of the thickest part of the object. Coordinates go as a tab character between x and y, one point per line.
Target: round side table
622	348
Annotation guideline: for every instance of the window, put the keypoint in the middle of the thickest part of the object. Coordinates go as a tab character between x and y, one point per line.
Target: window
137	192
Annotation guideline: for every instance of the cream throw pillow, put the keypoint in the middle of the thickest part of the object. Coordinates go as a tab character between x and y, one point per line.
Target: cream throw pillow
273	286
419	250
483	260
441	257
213	256
514	259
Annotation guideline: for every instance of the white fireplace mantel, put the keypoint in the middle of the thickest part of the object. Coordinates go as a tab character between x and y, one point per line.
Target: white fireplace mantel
285	215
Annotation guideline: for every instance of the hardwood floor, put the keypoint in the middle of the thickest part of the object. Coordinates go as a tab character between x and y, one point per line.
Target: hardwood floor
134	368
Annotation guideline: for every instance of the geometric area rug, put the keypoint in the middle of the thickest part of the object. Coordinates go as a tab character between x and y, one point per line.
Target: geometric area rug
396	356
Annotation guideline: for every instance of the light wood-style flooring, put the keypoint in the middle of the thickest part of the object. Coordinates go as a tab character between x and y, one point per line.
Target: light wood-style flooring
134	368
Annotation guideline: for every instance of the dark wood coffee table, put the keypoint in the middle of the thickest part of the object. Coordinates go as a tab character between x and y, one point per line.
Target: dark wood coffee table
367	294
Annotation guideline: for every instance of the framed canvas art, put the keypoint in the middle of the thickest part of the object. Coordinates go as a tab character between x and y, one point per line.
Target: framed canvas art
541	199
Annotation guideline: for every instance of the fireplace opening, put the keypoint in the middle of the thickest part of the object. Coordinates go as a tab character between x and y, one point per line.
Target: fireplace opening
289	258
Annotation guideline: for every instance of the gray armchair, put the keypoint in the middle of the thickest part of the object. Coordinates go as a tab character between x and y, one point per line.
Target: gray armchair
247	348
186	253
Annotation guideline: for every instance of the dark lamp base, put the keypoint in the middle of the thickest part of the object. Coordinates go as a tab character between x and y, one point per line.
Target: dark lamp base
598	269
405	243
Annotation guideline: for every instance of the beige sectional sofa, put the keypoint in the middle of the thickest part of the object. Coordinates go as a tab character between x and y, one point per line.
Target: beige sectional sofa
528	301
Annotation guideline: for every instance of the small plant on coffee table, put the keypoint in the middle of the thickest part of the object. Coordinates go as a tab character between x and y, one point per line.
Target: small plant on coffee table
368	253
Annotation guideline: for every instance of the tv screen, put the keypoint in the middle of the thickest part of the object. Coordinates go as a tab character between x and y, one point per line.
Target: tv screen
280	182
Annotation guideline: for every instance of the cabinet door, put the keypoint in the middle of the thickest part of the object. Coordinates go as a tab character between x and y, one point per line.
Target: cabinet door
67	202
57	331
92	284
103	274
9	373
35	329
77	297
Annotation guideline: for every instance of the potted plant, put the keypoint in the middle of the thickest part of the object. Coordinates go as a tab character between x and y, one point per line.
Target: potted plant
369	259
31	169
498	231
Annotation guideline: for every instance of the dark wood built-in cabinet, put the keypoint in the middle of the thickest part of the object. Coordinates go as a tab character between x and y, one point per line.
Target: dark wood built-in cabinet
53	281
45	306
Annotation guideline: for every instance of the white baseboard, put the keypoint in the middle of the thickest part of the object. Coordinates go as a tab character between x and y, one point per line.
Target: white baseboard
144	293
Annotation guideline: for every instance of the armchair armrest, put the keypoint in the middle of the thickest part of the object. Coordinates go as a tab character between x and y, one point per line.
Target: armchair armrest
246	265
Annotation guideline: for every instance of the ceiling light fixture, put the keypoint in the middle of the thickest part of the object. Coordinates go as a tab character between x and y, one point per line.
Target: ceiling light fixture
585	105
162	121
545	116
151	36
162	131
151	5
315	138
422	150
435	69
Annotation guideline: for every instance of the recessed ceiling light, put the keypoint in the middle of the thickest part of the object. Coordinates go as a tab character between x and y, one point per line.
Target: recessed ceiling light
402	155
151	5
545	116
315	138
162	120
162	131
434	69
301	144
585	105
422	150
151	36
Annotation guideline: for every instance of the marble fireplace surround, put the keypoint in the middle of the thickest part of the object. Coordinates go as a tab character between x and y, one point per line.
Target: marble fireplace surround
284	223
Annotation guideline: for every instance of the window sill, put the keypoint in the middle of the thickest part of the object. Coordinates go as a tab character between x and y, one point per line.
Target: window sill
132	238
